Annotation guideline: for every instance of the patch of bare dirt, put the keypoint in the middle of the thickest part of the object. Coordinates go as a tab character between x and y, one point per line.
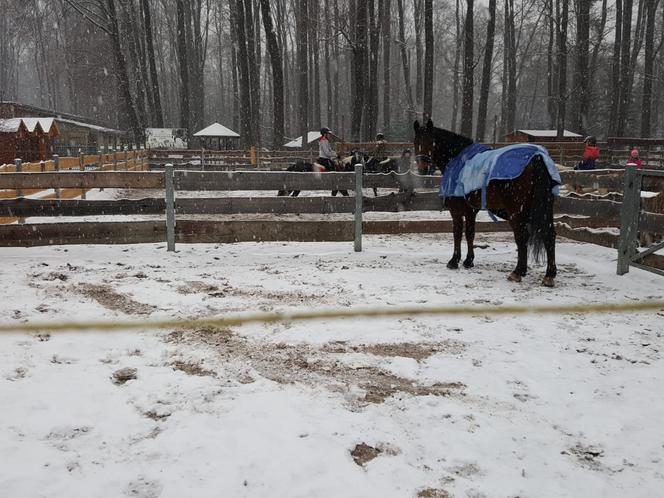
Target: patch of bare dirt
224	289
433	493
588	456
110	299
363	453
192	369
416	351
304	364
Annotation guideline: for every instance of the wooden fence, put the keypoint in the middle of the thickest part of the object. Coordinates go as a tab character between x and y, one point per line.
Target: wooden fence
614	154
578	216
116	161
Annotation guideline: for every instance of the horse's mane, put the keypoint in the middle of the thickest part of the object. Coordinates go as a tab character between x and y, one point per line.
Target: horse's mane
447	135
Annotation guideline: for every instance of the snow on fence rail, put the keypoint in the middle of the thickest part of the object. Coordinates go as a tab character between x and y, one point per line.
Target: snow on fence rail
579	217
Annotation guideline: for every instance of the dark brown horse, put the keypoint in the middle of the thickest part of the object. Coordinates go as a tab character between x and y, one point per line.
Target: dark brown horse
526	202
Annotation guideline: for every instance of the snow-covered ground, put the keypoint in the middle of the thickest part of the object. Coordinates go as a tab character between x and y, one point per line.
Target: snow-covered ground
528	406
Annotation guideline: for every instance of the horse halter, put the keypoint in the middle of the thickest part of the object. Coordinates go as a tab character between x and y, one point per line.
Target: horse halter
426	158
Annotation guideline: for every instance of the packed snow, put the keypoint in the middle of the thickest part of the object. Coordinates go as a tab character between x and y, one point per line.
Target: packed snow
475	406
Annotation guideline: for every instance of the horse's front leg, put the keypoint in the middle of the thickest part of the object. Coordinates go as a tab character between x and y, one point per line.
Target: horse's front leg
550	247
471	213
519	226
457	229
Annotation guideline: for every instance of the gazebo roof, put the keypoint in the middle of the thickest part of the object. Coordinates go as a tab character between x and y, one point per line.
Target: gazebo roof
216	130
312	136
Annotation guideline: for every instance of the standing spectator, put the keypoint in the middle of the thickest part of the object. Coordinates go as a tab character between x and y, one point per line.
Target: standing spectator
634	159
590	154
405	161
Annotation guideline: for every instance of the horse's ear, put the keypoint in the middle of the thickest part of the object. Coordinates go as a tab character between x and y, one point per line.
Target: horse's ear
430	124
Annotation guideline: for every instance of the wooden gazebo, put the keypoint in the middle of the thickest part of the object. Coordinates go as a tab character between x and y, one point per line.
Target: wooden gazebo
225	137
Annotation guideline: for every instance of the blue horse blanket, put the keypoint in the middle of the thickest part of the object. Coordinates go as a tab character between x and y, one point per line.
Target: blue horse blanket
478	164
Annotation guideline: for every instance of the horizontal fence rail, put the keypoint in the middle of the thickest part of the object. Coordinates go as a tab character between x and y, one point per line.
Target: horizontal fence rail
214	180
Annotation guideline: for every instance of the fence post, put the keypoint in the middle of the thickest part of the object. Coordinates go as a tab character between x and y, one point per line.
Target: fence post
126	166
19	192
629	218
56	167
358	208
115	159
203	159
170	207
81	163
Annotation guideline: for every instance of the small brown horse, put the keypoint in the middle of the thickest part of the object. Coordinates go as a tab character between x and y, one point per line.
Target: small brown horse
526	202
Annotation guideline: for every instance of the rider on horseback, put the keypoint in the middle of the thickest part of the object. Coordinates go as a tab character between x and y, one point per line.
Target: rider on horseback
379	154
326	154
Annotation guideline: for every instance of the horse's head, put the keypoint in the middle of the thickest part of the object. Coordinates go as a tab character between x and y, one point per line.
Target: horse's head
436	146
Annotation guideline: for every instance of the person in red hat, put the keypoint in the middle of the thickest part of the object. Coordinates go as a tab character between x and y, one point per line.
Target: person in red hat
634	159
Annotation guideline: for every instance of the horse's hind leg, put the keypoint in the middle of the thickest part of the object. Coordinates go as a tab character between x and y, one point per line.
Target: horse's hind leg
457	229
519	226
470	237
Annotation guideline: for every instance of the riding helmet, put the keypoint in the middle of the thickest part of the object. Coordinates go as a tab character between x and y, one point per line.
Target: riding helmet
324	130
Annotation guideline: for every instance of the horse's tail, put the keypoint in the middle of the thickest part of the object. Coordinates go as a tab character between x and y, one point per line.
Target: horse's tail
541	212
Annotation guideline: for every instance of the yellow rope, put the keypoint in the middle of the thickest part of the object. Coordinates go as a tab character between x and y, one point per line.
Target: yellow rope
286	316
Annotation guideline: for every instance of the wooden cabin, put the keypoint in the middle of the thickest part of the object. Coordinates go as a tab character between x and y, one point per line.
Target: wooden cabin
14	140
44	132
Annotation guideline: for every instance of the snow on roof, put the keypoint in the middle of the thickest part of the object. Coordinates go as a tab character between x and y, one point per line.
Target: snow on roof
548	133
312	136
216	130
89	126
45	123
11	125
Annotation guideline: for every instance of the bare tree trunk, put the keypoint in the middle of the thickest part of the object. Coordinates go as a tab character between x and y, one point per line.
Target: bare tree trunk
404	57
157	113
581	78
277	76
314	17
550	67
648	71
486	73
417	19
247	132
623	103
386	34
337	60
562	68
509	70
456	71
428	58
371	97
254	75
303	100
122	73
615	72
359	68
468	72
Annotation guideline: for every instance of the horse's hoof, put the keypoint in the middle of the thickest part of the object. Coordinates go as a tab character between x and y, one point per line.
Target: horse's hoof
513	277
468	264
453	265
548	282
